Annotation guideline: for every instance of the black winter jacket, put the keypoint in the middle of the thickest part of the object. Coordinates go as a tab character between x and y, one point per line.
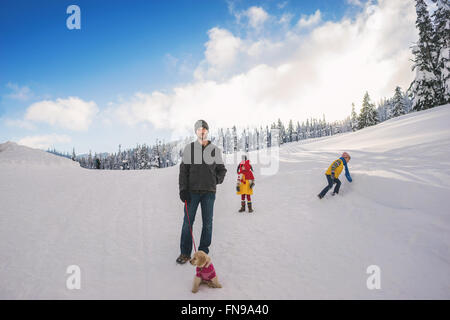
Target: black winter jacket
201	168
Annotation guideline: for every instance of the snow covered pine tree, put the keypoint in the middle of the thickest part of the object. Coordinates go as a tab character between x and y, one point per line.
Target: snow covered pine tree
368	116
398	107
441	24
425	87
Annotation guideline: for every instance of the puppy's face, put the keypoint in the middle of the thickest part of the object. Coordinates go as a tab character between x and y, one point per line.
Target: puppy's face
200	259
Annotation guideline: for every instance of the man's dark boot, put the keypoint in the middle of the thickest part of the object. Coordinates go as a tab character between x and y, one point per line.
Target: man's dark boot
242	209
249	207
182	259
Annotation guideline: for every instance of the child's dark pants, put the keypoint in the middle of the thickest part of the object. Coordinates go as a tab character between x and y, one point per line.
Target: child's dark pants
330	185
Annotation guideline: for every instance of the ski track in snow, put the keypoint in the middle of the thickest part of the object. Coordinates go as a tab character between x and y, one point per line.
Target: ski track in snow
122	228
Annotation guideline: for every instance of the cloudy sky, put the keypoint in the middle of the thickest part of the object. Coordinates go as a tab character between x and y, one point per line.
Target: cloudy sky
141	70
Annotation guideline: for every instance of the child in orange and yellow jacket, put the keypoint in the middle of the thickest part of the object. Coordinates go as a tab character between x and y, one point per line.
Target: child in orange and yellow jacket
333	173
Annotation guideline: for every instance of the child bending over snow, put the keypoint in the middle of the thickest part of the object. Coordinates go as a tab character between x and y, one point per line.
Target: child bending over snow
333	173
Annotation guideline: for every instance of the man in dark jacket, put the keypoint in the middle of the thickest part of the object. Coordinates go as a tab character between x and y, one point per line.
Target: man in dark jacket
201	169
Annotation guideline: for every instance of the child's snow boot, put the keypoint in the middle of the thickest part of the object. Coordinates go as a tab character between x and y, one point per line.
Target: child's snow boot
249	206
242	209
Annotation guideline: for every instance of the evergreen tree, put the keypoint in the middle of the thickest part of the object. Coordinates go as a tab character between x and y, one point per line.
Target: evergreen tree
267	137
354	119
228	142
90	161
407	100
398	107
303	130
97	163
368	115
153	158
281	134
425	86
235	139
323	127
307	130
290	131
382	110
142	158
222	140
118	159
441	23
297	131
261	138
244	141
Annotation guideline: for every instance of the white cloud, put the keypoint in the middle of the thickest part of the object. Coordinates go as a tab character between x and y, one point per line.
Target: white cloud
72	113
19	93
281	5
142	107
255	81
19	123
355	3
43	141
170	60
309	21
222	47
221	53
256	16
286	18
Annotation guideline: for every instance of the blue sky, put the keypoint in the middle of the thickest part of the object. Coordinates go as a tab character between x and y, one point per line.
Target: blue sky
129	47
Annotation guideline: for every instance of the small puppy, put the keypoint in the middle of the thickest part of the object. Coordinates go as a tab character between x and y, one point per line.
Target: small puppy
205	271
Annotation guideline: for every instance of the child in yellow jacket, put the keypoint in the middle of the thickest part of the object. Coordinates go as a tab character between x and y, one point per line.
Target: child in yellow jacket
333	172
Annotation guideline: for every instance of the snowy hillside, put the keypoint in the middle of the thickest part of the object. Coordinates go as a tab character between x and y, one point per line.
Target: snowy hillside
122	228
14	154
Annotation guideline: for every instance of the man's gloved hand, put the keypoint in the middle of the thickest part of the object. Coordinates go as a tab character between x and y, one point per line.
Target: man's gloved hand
252	185
185	195
238	189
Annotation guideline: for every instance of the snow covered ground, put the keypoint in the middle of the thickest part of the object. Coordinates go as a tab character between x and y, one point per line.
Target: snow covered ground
122	228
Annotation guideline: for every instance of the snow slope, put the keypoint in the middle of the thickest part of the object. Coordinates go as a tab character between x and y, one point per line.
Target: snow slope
122	228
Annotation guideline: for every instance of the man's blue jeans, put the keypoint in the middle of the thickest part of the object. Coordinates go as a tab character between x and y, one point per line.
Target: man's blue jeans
206	201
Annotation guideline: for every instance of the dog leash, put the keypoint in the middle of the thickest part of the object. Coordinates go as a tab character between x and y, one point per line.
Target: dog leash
190	228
